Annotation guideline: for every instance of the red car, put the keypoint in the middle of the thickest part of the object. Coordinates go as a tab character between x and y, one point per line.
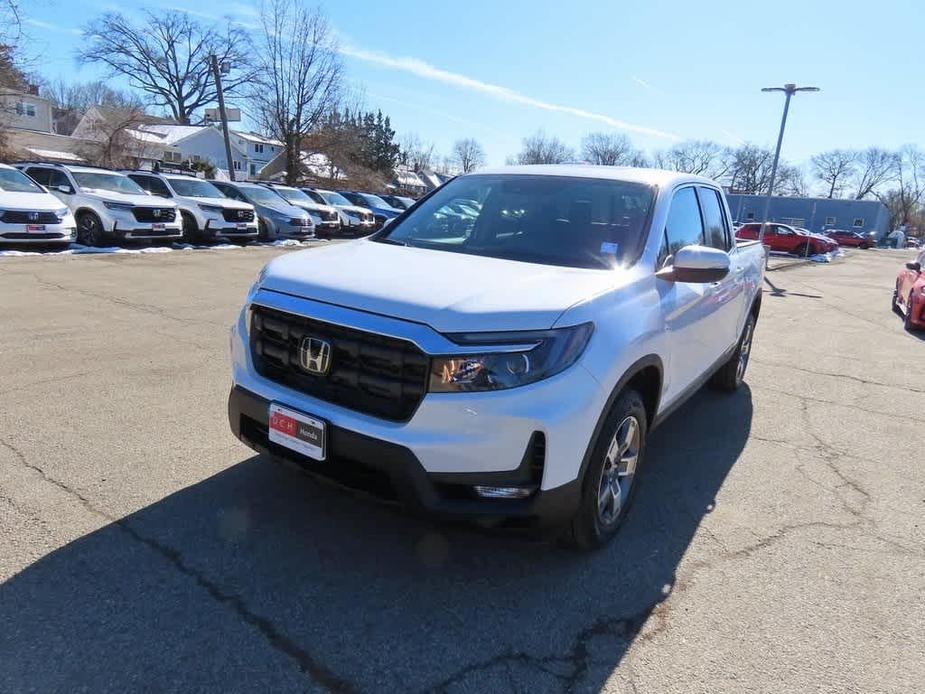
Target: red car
909	296
782	237
849	238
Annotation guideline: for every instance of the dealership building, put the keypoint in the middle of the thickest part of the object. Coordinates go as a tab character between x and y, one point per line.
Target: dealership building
815	214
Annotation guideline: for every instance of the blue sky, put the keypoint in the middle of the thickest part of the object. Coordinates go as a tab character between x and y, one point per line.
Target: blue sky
656	71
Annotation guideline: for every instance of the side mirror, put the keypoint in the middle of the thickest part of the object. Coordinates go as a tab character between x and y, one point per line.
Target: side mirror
387	222
914	266
65	189
696	264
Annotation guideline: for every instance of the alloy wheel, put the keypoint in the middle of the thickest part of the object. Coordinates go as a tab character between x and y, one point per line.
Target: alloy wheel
618	471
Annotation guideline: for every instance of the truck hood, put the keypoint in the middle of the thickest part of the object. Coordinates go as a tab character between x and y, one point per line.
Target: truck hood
451	292
29	201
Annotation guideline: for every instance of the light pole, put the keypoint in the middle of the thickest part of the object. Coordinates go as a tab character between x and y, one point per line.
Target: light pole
789	90
217	73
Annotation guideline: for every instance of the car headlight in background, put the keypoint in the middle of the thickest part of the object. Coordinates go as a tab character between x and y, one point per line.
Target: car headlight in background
545	353
211	209
123	206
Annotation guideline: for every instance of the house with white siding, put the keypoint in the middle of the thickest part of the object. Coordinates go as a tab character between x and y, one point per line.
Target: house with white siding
259	149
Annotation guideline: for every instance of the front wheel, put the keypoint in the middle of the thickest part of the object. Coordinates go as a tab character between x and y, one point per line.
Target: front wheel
610	481
732	373
89	229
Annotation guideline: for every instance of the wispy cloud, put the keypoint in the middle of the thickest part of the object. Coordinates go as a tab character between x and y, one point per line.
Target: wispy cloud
645	85
425	70
732	136
47	26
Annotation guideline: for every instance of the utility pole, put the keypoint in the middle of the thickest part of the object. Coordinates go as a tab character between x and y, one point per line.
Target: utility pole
789	90
217	72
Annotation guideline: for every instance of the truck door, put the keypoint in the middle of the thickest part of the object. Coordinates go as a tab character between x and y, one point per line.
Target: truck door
693	312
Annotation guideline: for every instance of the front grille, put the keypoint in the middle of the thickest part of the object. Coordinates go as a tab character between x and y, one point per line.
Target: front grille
23	217
154	215
370	373
328	215
300	222
238	215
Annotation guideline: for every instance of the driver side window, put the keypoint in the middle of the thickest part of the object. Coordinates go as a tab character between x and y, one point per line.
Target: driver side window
684	226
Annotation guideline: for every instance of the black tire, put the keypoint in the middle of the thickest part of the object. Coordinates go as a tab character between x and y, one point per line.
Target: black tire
89	229
730	376
894	301
907	320
593	525
190	228
802	250
263	234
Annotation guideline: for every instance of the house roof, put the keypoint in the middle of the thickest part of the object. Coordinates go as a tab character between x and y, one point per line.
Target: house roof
53	154
406	177
172	134
254	137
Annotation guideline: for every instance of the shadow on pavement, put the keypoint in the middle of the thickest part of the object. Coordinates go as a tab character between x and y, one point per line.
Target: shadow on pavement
779	292
260	579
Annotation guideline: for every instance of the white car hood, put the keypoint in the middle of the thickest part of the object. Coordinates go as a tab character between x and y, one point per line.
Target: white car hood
130	198
451	292
227	203
356	209
29	201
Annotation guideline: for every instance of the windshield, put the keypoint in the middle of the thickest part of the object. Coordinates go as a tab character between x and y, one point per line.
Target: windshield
316	197
195	188
15	181
262	195
554	220
335	198
374	200
114	183
293	195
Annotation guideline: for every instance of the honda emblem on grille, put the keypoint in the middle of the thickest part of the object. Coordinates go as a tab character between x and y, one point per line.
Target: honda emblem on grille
315	355
33	216
240	214
157	213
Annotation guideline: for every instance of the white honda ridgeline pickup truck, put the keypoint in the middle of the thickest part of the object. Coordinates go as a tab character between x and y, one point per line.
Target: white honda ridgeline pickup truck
503	349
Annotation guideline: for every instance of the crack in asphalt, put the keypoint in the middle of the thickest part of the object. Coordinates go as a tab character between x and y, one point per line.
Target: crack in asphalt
125	303
306	663
835	374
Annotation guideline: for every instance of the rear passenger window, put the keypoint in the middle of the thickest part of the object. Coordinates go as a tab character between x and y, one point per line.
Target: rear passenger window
39	175
714	221
684	227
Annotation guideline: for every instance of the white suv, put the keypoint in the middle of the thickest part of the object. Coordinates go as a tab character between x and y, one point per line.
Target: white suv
107	205
206	213
29	214
354	219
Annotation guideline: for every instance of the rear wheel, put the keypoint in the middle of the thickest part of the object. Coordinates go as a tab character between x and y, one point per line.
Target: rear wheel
610	481
732	373
89	229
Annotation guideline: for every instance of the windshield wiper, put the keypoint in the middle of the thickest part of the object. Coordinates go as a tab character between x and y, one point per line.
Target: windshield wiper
394	242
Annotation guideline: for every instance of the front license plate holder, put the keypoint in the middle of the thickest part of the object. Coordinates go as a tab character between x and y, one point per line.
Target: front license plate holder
298	431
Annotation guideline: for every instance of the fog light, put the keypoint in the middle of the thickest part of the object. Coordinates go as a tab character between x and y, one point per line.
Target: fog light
503	492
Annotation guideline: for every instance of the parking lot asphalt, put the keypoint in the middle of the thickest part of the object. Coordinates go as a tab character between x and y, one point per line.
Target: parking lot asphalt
776	542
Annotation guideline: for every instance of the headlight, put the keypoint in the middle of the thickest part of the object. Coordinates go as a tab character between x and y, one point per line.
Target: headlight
125	207
546	353
62	213
214	209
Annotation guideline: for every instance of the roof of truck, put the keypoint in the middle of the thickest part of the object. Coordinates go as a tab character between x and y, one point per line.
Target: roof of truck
657	177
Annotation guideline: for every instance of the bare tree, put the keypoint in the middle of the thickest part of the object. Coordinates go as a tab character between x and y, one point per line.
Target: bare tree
116	134
417	154
167	56
609	149
540	149
791	180
750	169
875	167
80	96
700	157
468	155
906	199
298	76
834	168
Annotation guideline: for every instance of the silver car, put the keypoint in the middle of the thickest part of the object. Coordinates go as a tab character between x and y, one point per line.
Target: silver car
277	219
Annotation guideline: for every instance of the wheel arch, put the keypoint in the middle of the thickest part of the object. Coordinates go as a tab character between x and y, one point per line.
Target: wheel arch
646	376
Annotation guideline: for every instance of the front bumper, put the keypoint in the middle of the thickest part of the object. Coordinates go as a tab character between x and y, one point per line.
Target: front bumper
16	234
226	230
480	437
393	473
147	231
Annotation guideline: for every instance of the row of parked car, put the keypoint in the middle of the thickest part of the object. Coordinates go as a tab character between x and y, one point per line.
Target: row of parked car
798	241
55	204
